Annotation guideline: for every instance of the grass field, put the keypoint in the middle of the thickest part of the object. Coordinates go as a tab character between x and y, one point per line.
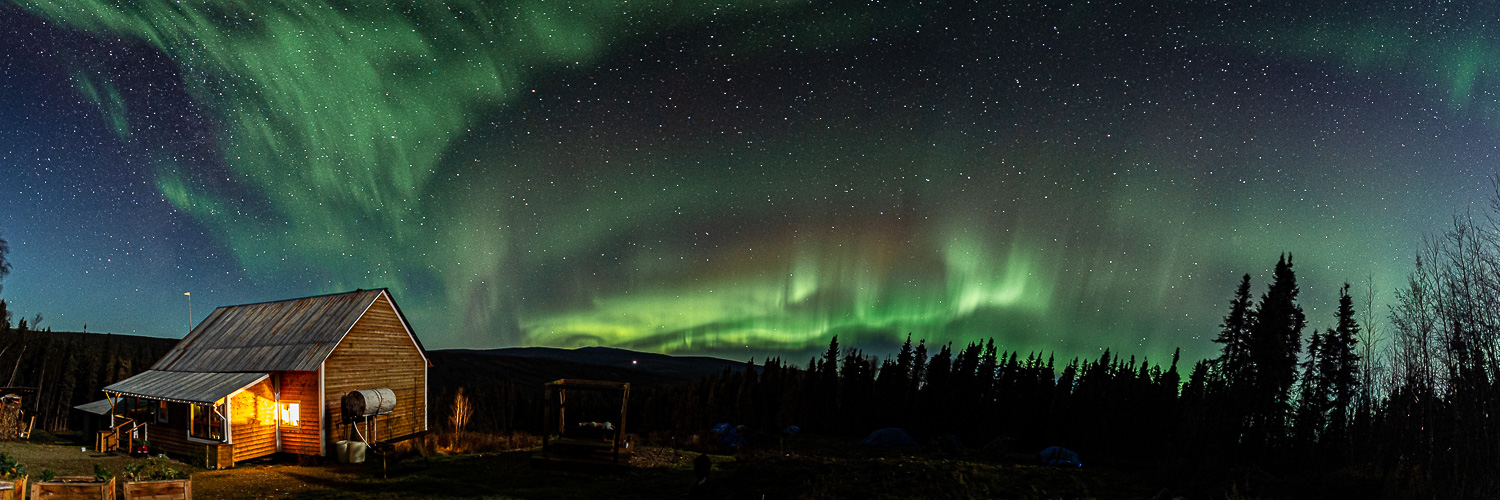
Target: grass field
807	467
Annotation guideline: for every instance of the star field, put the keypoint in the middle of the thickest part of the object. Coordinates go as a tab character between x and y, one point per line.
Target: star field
733	177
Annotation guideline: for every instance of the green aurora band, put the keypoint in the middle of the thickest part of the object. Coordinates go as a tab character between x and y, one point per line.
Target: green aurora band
359	144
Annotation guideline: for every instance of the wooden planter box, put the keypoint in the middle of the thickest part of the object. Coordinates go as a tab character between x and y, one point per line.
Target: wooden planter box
176	489
13	490
74	488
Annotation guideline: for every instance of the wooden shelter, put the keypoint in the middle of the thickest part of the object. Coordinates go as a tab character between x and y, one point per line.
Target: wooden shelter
569	441
257	379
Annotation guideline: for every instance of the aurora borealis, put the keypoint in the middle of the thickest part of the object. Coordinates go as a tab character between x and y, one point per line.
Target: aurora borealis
706	176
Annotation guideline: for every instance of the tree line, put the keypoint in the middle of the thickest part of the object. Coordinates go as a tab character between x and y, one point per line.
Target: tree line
1280	397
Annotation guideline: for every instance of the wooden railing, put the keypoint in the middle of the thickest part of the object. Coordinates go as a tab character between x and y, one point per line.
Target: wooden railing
109	440
125	432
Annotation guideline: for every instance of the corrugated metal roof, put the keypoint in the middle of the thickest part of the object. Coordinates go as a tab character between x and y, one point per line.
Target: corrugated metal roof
293	334
100	407
186	387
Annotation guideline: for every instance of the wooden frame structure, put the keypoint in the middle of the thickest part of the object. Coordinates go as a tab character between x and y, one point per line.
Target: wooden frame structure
600	449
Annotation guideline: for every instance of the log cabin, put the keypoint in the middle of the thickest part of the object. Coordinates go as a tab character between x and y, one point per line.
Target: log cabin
256	379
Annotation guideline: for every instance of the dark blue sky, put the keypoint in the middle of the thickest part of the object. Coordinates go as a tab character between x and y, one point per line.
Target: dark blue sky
734	178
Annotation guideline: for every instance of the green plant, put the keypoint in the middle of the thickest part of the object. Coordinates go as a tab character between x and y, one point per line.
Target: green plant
47	475
10	469
102	473
155	469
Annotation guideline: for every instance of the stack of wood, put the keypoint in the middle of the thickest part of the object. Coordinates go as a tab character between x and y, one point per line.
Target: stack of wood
12	418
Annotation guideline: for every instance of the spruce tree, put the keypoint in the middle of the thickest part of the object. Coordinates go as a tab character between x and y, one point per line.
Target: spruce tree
1274	343
1312	391
1235	333
4	263
1342	363
919	365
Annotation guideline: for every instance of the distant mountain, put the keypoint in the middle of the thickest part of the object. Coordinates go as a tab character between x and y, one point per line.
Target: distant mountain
680	367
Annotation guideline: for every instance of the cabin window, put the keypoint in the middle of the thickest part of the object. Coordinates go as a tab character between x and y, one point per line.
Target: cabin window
161	412
206	423
289	412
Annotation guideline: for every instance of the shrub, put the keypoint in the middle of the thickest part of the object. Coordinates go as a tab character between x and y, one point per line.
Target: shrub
10	469
155	469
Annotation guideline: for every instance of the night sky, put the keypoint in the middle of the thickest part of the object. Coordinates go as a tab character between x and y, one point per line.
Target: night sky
703	177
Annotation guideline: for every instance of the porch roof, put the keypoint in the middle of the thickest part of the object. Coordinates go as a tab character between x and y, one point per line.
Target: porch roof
185	387
100	407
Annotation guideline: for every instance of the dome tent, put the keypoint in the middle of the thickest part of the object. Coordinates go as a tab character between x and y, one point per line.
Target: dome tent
889	436
1057	456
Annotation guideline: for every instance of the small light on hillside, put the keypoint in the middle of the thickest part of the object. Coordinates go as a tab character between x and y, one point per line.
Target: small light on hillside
634	362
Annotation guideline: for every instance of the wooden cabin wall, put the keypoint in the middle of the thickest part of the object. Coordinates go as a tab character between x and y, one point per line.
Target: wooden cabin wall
252	421
172	437
301	387
377	353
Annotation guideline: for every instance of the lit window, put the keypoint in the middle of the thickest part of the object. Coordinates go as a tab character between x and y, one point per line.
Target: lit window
289	413
161	412
205	423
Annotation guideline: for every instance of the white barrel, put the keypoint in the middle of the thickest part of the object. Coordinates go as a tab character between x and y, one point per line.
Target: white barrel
356	452
368	402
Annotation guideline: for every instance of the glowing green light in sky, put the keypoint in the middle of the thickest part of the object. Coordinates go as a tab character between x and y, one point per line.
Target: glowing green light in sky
821	289
428	147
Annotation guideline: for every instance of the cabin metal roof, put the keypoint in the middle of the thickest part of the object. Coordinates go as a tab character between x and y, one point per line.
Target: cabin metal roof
100	407
185	387
293	334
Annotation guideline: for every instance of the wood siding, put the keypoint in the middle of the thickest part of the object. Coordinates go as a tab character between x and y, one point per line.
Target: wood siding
301	387
377	353
171	437
252	421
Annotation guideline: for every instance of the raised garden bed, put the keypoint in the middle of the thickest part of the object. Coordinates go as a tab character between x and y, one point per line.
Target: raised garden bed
173	489
74	488
13	490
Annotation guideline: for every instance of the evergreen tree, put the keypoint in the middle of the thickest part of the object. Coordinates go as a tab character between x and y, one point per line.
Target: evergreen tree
830	365
919	365
1235	333
4	262
1312	391
904	361
1274	343
1342	363
1172	381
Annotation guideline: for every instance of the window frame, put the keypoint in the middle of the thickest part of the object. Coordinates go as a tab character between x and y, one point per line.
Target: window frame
289	407
205	415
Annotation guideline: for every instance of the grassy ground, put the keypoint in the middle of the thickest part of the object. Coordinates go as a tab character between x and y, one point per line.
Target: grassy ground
509	475
67	460
806	467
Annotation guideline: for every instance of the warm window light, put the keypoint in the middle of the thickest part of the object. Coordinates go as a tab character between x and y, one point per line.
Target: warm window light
289	413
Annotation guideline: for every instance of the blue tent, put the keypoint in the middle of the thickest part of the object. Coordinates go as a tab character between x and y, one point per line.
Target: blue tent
889	436
729	436
1058	456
